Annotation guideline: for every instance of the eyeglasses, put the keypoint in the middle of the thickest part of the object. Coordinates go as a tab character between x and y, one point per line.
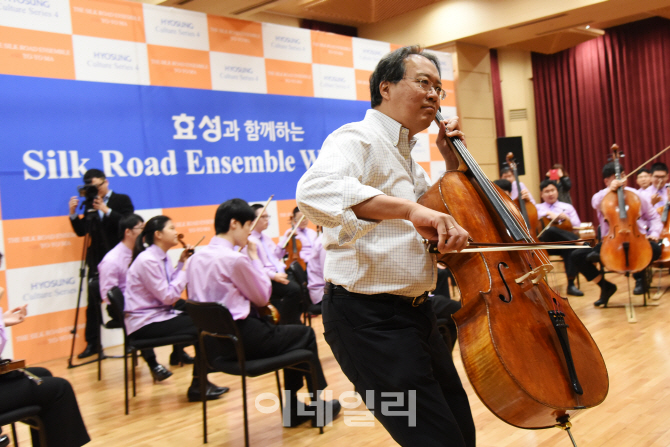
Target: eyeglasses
139	228
265	216
425	85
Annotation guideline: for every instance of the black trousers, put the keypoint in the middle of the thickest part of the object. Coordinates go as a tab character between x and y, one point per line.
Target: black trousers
262	339
287	298
179	325
553	234
388	346
590	271
444	307
93	311
63	424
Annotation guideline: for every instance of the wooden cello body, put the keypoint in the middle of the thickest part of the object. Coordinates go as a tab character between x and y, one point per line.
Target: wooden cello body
527	209
528	356
624	248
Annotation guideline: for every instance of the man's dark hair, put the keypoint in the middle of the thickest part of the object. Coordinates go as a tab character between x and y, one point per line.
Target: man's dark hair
256	207
504	171
659	167
608	170
236	209
93	173
642	171
128	223
546	182
392	68
503	184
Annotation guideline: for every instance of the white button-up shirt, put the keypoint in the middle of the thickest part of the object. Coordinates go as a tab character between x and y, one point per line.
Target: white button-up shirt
357	162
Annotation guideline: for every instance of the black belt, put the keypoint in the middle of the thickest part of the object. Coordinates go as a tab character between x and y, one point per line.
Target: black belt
334	289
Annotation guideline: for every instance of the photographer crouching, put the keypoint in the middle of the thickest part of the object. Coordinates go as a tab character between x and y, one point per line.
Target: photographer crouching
97	212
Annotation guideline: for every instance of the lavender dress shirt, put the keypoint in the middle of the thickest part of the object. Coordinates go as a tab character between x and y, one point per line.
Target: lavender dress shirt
306	238
218	273
113	269
3	335
559	207
315	280
267	254
651	190
152	286
648	223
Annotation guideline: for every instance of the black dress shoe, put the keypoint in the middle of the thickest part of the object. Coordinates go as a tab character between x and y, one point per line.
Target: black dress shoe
315	309
213	392
574	291
113	324
606	291
90	350
160	373
639	287
181	360
4	440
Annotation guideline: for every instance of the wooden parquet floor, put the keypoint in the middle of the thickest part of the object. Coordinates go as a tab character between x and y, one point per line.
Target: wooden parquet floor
636	412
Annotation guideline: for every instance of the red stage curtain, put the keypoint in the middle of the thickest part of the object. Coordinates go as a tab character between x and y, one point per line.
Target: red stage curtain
613	89
497	94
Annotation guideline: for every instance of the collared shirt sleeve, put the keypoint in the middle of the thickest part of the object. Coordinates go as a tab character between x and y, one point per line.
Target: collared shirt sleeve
572	215
155	281
3	335
651	216
108	274
250	280
333	185
598	197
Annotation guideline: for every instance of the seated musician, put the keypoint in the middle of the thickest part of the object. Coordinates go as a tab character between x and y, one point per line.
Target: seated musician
551	208
219	273
649	223
152	287
643	179
305	235
508	174
286	292
656	192
63	424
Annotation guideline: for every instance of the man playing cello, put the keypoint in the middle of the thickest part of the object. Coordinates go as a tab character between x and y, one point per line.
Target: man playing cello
363	189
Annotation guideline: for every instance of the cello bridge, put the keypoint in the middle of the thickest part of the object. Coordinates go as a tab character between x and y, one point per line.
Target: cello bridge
536	274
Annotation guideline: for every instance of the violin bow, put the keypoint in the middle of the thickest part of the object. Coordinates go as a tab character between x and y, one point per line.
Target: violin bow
253	225
646	162
295	228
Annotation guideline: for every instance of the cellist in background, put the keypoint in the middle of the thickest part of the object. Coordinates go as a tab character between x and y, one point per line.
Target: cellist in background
305	235
558	212
649	223
507	174
657	193
285	290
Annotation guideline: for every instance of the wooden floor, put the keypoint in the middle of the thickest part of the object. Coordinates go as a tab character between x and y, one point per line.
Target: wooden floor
636	412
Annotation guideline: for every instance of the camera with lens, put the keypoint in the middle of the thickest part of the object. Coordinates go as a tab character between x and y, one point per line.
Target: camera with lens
89	192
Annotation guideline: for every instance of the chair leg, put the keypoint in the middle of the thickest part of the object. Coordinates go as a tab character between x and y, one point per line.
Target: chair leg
134	377
125	373
246	420
279	393
16	439
312	370
202	376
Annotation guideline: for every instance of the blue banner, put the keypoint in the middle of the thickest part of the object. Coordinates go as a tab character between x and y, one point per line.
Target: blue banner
163	146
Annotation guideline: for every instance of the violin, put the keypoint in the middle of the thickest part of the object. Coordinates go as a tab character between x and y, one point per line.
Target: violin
624	249
527	354
527	209
665	233
293	246
189	251
563	224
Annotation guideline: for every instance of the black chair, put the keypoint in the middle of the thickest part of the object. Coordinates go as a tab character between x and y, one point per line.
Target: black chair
301	278
215	320
131	345
27	415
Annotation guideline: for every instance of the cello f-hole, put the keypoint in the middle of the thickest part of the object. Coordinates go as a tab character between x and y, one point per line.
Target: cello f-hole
503	298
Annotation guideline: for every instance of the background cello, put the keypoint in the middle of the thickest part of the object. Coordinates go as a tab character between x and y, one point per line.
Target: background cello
526	208
523	362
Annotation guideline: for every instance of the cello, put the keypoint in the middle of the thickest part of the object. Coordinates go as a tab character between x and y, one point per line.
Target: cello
528	356
624	248
527	209
293	246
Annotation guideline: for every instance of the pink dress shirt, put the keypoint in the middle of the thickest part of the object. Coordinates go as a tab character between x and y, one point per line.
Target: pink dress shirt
306	237
315	280
152	286
648	223
218	273
651	190
267	254
559	207
515	192
3	335
113	269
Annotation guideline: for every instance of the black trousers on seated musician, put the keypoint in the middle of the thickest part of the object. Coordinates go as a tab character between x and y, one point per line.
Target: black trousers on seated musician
287	298
366	333
590	271
263	339
554	234
179	325
63	425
